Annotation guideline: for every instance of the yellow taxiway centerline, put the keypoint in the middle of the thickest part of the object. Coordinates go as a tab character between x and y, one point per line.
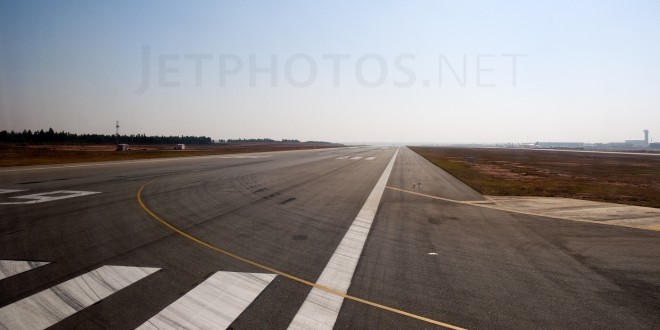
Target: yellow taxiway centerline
489	205
278	272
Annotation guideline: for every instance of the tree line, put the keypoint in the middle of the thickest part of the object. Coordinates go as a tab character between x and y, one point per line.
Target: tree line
50	136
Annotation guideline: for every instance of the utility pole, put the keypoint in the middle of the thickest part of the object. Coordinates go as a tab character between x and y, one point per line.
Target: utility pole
117	134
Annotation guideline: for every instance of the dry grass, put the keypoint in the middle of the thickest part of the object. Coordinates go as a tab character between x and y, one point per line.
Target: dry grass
625	179
62	154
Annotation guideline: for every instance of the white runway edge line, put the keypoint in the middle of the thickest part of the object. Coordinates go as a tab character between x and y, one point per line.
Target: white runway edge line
42	310
13	267
321	308
214	304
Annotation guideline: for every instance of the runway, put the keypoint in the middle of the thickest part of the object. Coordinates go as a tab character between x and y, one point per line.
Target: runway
245	241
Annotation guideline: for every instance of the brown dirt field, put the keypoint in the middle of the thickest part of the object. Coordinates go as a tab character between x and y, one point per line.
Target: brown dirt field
614	178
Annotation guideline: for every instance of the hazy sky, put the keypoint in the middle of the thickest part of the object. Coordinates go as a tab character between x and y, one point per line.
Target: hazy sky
408	71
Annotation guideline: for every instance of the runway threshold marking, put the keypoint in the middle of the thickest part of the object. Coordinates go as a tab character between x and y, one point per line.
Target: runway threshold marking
214	304
10	268
321	309
488	205
42	310
281	273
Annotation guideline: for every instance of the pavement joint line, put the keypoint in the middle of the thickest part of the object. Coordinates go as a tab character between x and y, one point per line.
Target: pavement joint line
281	273
490	205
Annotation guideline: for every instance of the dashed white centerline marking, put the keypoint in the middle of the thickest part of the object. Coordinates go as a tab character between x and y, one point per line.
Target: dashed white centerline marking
214	304
12	267
321	308
43	309
355	158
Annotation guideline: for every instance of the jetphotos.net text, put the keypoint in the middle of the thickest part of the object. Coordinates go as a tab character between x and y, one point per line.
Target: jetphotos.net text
300	70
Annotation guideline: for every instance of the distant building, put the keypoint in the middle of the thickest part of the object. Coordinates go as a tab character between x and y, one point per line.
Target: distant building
639	143
610	146
559	145
627	145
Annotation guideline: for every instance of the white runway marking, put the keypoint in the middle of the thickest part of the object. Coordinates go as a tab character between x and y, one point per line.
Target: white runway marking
214	304
242	156
50	196
355	158
9	191
50	306
12	267
321	308
122	162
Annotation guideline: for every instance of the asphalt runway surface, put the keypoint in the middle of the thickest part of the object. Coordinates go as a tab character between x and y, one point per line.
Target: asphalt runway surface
246	240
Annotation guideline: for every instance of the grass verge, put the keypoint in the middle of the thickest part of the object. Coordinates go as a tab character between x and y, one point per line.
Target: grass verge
614	178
